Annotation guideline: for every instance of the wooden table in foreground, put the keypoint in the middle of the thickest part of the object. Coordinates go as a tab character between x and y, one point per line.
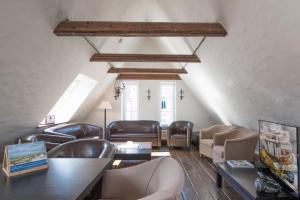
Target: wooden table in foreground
242	180
143	152
66	179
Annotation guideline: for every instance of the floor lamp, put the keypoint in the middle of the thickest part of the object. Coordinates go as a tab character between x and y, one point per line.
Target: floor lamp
105	105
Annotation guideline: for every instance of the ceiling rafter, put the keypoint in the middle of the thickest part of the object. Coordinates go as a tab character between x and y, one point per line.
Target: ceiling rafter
148	77
147	70
139	29
112	57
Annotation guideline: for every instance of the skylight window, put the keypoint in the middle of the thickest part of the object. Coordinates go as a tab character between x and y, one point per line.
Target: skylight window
73	97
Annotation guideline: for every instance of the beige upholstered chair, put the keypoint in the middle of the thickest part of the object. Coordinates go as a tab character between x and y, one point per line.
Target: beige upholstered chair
206	138
238	144
158	179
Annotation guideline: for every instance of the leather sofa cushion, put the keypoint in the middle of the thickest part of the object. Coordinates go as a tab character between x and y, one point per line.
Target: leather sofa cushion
133	135
178	136
140	126
206	142
219	150
74	130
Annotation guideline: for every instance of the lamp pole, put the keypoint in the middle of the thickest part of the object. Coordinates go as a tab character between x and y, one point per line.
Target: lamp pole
104	131
105	105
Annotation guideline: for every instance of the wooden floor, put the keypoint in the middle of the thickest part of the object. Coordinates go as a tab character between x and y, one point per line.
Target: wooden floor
200	181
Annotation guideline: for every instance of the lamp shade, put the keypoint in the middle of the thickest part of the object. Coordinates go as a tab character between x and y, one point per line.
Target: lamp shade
105	105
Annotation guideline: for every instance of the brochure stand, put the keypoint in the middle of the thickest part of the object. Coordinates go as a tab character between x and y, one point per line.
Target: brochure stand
24	158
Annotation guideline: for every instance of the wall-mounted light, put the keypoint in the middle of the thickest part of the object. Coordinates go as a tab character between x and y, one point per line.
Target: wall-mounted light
148	94
181	94
118	88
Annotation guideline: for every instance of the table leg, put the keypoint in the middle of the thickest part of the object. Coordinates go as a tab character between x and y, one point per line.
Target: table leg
96	192
219	180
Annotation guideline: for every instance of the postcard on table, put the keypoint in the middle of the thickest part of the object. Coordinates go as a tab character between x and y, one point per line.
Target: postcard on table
23	158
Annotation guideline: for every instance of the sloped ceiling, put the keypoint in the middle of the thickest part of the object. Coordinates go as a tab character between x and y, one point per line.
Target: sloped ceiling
251	74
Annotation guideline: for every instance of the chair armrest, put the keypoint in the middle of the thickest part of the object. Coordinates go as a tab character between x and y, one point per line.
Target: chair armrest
189	136
108	133
91	130
207	133
221	137
240	148
126	182
159	136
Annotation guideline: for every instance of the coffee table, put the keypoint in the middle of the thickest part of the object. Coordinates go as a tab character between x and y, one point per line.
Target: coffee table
143	152
242	180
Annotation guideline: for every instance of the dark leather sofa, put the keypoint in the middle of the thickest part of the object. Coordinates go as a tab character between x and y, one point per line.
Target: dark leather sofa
138	131
63	133
84	148
50	140
79	131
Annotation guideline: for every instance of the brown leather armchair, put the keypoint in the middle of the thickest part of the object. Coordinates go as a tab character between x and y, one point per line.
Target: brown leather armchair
51	141
79	131
84	148
180	134
137	131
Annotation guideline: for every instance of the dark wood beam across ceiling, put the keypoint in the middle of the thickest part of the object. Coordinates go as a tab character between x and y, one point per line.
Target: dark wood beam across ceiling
148	77
105	57
146	71
139	29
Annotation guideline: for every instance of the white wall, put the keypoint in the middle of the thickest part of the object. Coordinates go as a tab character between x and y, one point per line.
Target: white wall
36	66
186	109
252	73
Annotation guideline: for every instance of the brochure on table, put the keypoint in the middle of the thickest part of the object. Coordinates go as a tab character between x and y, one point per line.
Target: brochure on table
24	158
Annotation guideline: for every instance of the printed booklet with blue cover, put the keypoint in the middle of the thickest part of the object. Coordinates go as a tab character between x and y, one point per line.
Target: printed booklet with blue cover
22	158
239	164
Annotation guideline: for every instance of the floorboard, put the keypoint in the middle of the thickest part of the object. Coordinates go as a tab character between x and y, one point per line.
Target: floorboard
200	183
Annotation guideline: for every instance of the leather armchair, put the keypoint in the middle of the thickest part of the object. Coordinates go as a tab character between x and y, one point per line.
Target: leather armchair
79	131
238	144
84	148
206	138
179	134
152	180
135	130
51	141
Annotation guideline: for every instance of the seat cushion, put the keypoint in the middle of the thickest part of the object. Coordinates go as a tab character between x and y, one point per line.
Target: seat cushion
178	136
133	135
219	150
206	142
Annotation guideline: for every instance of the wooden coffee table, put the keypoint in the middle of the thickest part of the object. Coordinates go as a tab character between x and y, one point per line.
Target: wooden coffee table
242	180
143	152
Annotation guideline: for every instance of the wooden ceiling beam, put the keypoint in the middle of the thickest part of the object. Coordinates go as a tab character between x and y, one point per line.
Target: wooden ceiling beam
139	29
148	77
105	57
146	71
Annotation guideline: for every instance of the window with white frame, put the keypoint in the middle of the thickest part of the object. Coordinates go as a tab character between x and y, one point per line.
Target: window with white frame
72	98
167	102
130	101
